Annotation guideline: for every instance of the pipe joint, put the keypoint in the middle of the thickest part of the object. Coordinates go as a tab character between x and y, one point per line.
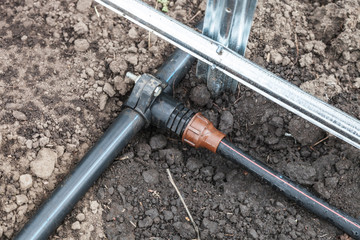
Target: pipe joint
147	88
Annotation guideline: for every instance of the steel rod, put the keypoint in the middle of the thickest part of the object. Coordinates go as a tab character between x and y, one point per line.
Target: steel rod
232	64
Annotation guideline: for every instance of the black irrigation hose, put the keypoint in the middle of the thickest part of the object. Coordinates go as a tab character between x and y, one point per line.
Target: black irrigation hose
68	193
295	192
93	164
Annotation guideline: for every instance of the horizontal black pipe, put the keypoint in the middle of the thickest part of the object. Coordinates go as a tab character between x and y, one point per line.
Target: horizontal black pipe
293	191
69	192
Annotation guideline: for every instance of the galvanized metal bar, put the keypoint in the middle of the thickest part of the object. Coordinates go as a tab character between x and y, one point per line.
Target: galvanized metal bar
237	67
227	22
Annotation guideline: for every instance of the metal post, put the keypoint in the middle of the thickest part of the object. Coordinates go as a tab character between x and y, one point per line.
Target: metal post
244	71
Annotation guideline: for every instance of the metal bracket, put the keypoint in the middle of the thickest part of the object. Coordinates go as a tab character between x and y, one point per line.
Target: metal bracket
227	22
147	88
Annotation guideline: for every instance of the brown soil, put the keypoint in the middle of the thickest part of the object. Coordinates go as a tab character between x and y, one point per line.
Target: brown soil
62	83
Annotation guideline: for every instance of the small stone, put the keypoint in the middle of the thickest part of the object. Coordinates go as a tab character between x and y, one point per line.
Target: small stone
29	144
43	141
302	173
81	28
102	101
121	85
25	181
80	217
185	230
320	188
158	142
81	45
146	222
193	164
109	90
151	176
118	66
276	57
76	225
211	225
357	83
226	122
19	116
83	5
132	58
133	33
60	150
94	205
9	207
253	233
21	199
304	132
90	72
306	60
44	164
153	213
51	21
168	215
200	95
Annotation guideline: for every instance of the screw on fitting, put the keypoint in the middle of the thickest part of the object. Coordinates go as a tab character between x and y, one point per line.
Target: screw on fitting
200	132
132	76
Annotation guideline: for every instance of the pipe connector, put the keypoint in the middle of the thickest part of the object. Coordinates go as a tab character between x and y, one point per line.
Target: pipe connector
200	132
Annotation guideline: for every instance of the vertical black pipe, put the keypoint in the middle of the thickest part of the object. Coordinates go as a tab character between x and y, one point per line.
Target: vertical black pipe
293	191
69	192
174	70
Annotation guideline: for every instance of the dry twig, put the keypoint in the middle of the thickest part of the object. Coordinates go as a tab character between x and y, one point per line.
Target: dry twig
183	202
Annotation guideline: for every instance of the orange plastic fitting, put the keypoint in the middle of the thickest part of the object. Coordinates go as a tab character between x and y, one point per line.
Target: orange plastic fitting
200	132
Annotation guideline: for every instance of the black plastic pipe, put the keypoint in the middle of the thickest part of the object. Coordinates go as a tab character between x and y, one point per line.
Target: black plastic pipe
129	122
69	192
293	191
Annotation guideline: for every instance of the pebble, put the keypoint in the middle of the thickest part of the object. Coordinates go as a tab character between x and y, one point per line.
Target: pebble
121	85
109	90
193	164
185	230
132	58
25	181
102	101
306	60
303	173
9	207
168	215
146	222
153	213
226	122
90	72
43	141
44	164
200	95
19	116
80	217
21	199
94	205
81	28
304	132
276	57
83	5
118	66
133	33
76	225
211	225
253	233
151	176
81	45
158	142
